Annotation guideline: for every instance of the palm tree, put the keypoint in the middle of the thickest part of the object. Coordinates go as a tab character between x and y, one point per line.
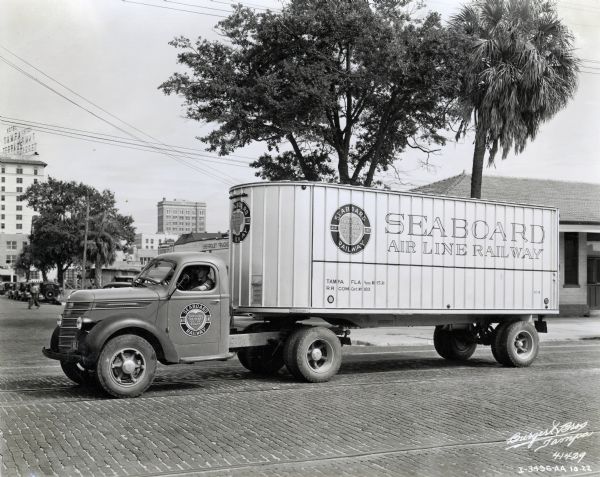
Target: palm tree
519	71
109	232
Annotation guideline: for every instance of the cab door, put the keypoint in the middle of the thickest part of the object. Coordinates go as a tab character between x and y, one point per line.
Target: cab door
194	317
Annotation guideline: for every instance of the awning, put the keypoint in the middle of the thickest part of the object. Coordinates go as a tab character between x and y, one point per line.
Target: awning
590	228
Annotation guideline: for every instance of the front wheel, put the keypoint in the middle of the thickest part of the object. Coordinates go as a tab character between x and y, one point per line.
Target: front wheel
516	344
313	354
126	366
454	345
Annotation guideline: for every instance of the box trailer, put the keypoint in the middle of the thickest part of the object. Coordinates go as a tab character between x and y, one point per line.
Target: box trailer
479	271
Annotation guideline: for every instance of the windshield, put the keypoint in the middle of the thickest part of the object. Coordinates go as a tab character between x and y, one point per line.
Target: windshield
157	271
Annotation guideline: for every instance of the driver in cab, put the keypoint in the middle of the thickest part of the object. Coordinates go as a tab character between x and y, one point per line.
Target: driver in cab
199	279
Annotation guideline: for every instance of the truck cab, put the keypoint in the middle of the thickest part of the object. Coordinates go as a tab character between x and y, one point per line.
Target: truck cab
118	335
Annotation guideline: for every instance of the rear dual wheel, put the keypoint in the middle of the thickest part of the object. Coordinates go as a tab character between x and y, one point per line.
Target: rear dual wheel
261	360
454	344
313	354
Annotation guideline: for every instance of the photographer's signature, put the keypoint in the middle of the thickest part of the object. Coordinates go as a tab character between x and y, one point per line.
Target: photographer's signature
566	433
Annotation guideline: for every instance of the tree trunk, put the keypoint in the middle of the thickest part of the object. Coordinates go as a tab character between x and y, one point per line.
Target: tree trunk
45	275
98	273
478	157
60	273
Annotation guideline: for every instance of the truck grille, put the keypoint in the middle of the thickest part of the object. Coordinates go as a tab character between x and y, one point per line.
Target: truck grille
67	335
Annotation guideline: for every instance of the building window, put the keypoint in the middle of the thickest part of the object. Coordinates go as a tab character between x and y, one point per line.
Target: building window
2	198
3	188
35	181
3	170
3	206
19	189
10	259
3	179
19	217
19	207
35	172
19	170
2	217
2	226
19	226
11	245
19	180
571	258
34	275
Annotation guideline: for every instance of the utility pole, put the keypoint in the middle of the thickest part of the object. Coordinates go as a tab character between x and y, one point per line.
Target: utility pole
87	220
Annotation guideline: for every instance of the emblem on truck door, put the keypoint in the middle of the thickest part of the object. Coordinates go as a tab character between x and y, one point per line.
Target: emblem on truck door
240	221
195	319
350	228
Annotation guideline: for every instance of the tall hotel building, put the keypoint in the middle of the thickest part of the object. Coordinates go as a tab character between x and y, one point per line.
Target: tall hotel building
17	173
181	217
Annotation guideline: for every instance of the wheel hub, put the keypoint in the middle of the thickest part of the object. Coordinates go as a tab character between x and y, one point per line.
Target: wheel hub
316	354
128	366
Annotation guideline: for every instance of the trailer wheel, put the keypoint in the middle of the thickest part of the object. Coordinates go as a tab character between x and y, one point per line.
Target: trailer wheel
315	354
454	345
517	344
78	374
495	343
126	366
263	360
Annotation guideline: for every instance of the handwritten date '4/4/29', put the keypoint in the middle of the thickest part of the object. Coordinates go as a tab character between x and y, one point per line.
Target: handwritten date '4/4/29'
568	456
553	468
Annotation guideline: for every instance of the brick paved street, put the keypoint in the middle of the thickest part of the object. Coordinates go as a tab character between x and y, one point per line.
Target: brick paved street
403	411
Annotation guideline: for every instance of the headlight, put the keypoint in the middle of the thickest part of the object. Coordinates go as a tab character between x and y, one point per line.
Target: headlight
59	321
79	323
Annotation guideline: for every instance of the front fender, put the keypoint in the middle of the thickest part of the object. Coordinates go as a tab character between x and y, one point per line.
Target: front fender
103	330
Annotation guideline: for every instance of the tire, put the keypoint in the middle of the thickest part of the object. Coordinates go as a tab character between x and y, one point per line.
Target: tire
126	366
517	344
288	351
454	345
263	360
49	296
78	374
316	354
495	343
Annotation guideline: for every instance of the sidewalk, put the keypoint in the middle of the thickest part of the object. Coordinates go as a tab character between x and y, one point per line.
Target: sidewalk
559	329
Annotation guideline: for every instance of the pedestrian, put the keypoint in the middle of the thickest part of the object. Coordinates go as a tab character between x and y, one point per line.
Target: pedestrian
34	294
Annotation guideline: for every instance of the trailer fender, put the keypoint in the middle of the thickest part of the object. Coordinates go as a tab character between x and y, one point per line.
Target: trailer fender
105	329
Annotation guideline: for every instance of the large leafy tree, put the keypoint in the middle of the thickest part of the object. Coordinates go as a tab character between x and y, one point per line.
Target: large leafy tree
337	89
520	71
57	237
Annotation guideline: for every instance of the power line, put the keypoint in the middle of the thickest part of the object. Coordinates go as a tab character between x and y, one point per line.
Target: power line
175	9
224	180
120	144
25	123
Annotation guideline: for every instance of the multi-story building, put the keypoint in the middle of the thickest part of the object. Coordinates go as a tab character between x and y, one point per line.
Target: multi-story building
152	241
181	217
17	173
19	141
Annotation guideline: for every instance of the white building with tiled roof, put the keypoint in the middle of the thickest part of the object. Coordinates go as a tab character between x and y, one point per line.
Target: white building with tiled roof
579	208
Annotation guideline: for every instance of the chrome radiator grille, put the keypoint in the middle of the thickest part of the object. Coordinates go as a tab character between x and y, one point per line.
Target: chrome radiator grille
68	328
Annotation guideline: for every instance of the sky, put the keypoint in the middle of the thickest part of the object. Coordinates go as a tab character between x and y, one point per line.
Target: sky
115	54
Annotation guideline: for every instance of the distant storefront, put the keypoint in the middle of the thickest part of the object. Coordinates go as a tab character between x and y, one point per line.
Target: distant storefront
579	207
214	243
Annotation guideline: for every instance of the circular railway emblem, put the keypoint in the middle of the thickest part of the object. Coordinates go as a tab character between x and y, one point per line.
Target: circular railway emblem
350	228
240	221
195	319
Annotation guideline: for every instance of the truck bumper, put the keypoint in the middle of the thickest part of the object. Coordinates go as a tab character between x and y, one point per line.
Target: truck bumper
66	357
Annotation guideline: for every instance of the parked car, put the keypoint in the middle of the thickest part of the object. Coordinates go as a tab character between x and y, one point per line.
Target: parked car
49	292
22	291
6	288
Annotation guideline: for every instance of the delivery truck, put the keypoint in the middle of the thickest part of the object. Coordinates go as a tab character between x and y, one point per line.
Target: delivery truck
478	272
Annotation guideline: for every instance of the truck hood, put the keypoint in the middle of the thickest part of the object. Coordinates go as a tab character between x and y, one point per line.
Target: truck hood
117	294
